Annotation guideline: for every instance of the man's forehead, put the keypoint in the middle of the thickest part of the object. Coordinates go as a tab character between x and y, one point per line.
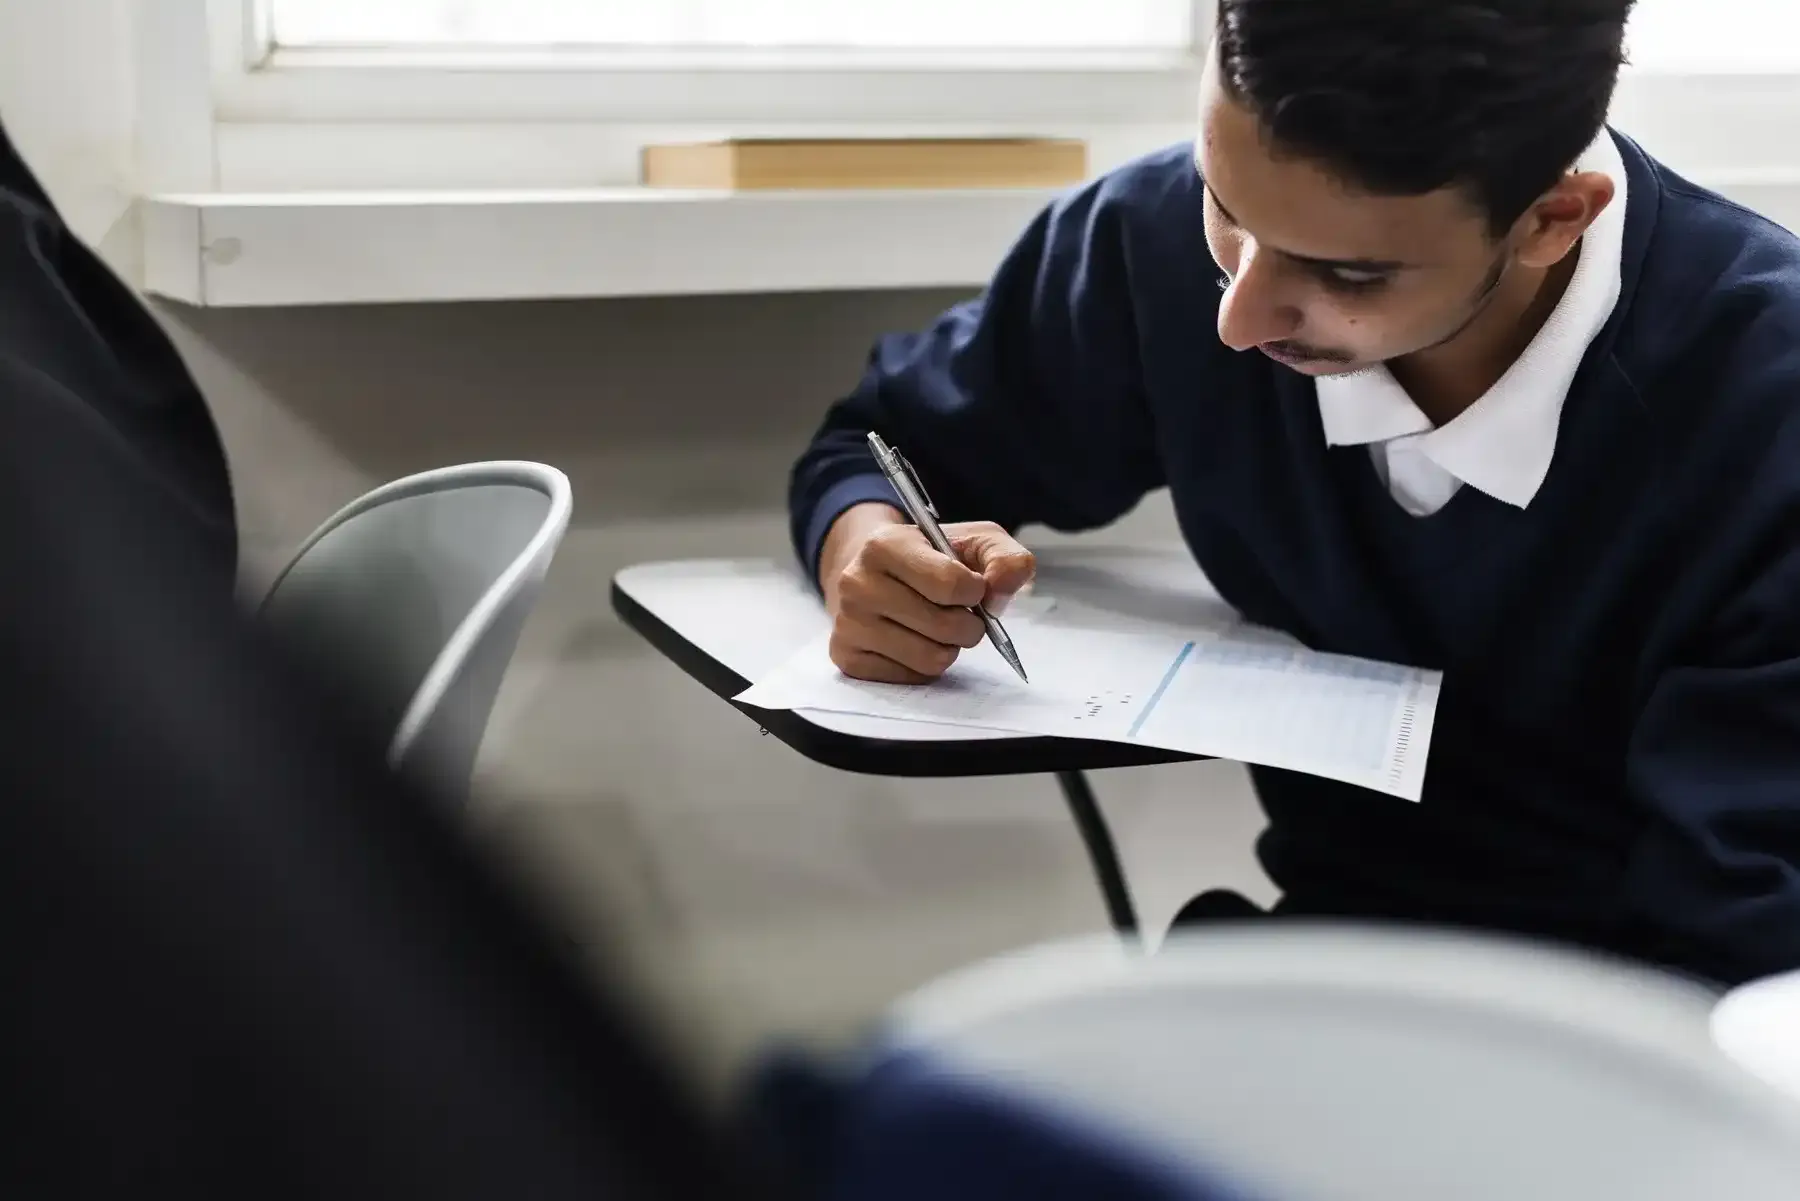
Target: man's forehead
1306	210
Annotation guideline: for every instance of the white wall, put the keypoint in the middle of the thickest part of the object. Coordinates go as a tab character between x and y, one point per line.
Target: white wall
67	90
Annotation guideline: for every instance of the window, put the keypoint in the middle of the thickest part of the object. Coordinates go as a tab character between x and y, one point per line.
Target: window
740	66
1715	35
918	25
304	88
556	93
1722	34
481	149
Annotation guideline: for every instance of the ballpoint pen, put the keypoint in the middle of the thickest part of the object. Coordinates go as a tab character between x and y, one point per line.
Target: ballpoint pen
918	504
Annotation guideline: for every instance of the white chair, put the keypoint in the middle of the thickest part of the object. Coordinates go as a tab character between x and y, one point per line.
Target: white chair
414	596
1348	1064
1758	1026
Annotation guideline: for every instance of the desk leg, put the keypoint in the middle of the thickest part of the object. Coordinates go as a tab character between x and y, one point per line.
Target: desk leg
1101	851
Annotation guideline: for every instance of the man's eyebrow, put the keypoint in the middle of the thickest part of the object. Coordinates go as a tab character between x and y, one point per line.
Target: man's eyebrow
1370	266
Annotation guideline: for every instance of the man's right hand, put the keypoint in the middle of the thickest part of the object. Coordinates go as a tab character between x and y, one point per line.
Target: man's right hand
900	611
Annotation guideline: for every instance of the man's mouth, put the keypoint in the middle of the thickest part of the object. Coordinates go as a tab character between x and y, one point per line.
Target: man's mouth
1286	354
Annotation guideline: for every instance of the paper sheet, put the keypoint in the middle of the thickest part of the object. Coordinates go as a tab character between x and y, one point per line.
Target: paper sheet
1236	692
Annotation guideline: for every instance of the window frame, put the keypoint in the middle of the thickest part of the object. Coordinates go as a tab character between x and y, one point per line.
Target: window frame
311	178
256	81
222	109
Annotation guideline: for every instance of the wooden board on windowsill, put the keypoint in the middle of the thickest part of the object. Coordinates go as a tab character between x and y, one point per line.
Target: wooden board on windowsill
888	163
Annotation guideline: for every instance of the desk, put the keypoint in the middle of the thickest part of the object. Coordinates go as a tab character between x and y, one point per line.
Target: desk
727	622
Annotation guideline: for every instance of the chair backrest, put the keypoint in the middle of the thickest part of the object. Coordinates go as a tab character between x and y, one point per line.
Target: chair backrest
1758	1025
1353	1064
414	596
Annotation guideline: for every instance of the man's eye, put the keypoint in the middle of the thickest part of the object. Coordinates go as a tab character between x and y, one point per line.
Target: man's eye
1343	279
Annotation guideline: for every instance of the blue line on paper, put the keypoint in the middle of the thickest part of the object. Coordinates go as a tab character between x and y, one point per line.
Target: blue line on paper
1168	678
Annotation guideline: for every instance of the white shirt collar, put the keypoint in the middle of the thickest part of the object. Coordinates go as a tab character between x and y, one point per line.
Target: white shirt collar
1504	442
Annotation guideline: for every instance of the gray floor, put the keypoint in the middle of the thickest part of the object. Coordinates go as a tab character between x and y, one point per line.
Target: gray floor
745	892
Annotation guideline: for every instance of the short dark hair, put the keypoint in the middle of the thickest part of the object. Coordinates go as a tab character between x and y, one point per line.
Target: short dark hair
1403	97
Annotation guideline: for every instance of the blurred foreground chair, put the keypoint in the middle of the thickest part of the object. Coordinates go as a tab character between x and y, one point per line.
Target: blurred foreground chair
415	594
1288	1063
1758	1026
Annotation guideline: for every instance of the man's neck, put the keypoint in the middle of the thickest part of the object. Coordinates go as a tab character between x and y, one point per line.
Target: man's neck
1445	380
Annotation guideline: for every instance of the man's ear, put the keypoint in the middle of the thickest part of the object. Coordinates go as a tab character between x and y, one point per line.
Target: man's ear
1552	226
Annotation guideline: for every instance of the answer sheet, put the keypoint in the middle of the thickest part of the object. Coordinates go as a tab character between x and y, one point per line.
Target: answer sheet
1230	691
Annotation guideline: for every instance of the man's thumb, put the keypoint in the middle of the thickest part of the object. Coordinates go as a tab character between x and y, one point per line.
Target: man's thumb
1006	566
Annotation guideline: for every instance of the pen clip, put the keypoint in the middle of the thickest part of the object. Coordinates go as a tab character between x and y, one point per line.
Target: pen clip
913	475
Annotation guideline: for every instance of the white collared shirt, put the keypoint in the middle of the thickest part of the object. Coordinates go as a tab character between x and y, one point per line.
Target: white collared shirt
1503	443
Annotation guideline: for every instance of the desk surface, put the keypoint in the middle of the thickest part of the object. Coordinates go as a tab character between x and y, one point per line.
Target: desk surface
728	621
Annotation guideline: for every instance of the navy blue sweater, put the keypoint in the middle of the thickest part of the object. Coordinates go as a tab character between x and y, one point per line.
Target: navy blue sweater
1617	753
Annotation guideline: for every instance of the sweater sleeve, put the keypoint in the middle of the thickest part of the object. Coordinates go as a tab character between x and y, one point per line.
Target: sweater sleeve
1715	758
1023	406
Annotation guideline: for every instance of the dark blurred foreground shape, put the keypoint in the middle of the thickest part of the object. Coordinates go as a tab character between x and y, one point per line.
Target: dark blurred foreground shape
245	959
79	352
242	959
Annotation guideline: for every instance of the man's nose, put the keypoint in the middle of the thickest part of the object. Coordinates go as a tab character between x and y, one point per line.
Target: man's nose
1253	311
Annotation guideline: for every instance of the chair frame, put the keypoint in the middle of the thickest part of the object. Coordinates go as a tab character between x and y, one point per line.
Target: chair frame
481	615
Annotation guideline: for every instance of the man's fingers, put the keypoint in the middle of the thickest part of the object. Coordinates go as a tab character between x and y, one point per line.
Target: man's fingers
885	639
867	665
909	649
905	555
883	596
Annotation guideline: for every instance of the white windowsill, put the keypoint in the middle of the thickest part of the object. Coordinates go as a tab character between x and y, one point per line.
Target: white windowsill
269	249
250	250
242	158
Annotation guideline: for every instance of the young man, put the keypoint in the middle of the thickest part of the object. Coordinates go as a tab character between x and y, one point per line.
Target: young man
1492	391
